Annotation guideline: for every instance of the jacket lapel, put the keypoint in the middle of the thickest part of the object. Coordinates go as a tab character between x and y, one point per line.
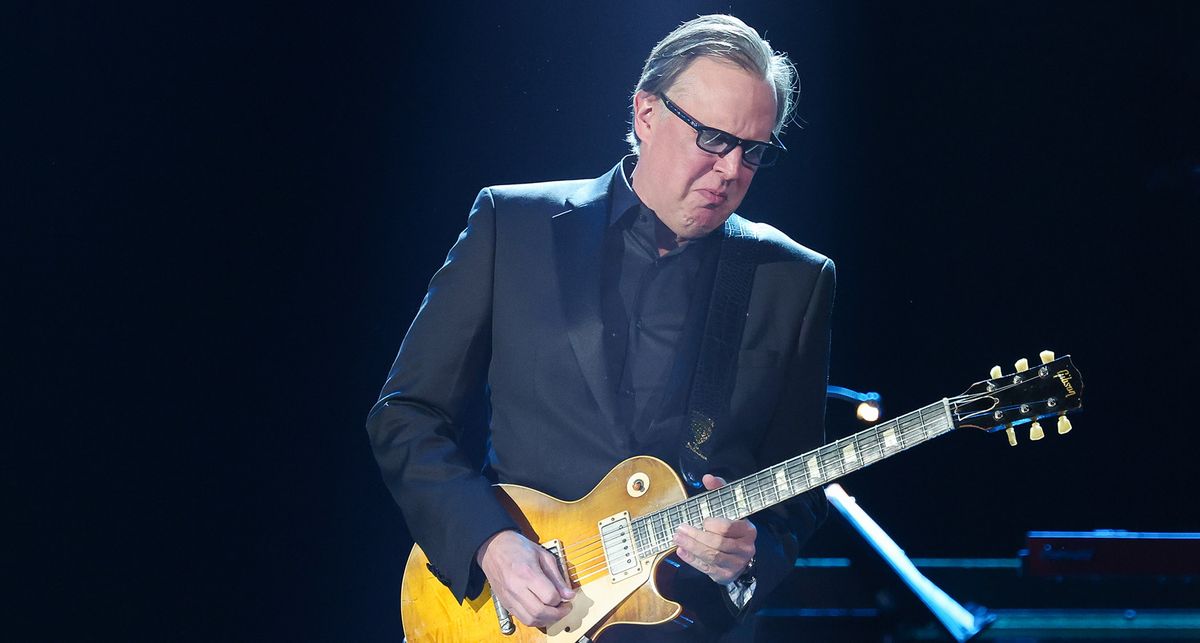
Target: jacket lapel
578	244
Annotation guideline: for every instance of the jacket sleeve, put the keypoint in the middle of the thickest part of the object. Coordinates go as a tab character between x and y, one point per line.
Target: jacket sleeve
419	426
797	425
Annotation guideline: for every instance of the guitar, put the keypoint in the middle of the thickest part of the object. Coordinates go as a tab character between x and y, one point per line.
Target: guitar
610	542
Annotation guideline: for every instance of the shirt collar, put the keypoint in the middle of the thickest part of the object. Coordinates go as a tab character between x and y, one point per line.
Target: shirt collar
625	202
623	196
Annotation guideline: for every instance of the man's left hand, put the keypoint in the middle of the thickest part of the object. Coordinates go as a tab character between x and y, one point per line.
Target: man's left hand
723	549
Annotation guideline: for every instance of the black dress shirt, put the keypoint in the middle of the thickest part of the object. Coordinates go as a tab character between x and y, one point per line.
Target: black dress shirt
646	301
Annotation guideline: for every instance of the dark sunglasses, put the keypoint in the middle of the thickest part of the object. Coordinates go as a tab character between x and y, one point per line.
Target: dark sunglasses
715	141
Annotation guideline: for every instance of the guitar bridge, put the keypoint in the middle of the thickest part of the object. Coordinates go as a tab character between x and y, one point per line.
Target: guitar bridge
616	536
555	547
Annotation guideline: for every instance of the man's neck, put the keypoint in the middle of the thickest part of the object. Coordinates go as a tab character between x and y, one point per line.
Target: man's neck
664	237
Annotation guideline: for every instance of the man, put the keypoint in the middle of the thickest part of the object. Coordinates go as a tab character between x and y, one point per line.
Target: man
588	317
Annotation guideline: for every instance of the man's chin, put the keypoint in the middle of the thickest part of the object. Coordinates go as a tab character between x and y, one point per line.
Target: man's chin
705	221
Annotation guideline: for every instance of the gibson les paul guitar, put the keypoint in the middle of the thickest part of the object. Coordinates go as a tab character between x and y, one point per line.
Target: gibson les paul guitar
610	542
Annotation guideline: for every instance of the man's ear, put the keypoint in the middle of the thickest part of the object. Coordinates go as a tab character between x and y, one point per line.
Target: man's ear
645	109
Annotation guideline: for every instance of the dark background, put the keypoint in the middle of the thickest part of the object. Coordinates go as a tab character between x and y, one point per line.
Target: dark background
222	218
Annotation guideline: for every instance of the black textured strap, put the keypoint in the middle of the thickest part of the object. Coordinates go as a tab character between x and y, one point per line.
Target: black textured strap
712	382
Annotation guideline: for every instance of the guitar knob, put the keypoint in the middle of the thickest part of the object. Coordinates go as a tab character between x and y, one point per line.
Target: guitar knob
1064	425
1012	436
1046	356
995	373
1036	432
1022	365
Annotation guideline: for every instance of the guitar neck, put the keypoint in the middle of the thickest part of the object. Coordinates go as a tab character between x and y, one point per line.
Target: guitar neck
654	532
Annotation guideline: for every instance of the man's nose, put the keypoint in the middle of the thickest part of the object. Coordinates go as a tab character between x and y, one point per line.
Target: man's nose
730	163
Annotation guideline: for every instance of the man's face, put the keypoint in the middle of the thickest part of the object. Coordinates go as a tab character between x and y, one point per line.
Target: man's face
692	191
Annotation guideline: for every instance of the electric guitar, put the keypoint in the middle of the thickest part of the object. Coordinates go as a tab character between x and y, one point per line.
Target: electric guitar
610	542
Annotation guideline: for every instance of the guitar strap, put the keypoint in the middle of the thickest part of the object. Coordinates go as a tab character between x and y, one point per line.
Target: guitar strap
712	381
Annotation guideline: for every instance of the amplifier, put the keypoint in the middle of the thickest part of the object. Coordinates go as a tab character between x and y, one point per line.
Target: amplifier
1111	553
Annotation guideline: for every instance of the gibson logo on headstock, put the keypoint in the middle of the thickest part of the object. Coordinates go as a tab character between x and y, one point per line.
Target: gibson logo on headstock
1064	376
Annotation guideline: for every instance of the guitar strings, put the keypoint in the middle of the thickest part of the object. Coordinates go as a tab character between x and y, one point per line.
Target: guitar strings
909	426
593	563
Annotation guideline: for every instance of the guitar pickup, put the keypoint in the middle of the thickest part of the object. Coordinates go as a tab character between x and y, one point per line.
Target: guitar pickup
616	536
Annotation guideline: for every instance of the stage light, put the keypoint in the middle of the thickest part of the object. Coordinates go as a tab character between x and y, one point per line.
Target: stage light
870	404
868	412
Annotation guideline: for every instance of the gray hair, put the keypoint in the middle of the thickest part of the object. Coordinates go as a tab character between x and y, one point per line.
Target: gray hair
723	38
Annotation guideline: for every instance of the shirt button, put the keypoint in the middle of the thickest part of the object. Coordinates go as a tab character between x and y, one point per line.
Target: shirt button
639	324
627	392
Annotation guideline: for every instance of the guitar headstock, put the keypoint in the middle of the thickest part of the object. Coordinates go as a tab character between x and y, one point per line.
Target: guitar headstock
1024	397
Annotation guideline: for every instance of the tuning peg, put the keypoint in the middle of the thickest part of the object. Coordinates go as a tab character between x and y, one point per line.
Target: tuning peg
1022	365
1036	432
1064	425
995	372
1046	356
1012	436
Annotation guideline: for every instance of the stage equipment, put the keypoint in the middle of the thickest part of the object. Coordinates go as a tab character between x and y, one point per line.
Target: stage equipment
870	404
1110	552
961	623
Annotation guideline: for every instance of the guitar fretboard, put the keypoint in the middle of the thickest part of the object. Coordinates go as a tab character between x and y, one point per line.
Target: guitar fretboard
654	532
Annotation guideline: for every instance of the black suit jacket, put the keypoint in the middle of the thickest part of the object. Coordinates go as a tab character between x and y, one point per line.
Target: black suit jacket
513	319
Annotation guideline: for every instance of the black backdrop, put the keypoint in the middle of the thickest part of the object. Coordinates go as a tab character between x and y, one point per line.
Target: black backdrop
221	220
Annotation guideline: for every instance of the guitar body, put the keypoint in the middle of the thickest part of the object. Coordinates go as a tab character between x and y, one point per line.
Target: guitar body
430	613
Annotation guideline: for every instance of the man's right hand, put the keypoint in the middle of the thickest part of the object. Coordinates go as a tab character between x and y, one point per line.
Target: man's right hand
526	579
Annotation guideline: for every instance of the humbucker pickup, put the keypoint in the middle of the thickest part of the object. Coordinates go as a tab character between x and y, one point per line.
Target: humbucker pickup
619	551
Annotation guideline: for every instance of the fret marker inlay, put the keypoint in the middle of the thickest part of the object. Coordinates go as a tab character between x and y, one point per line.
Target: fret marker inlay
848	454
652	534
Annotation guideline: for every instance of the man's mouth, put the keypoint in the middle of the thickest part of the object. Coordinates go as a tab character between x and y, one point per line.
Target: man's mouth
713	197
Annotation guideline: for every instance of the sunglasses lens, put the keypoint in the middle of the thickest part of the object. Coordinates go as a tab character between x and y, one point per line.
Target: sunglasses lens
717	142
762	155
714	140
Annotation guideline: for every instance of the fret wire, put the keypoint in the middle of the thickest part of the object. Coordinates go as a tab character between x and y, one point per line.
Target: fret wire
866	442
901	439
834	454
754	491
748	499
910	429
824	467
768	486
858	451
919	427
757	494
877	445
773	488
925	424
864	439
